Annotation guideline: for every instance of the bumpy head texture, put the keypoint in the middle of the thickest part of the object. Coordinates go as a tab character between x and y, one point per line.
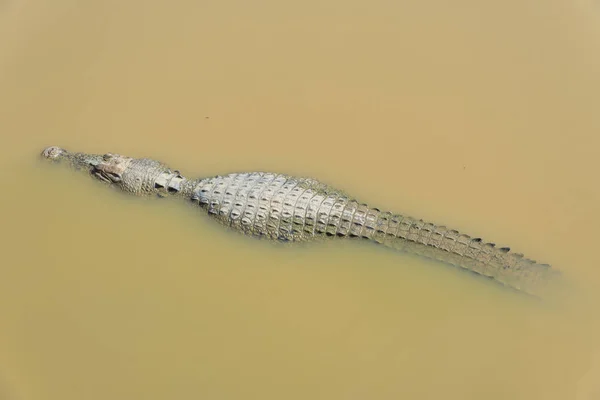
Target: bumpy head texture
135	176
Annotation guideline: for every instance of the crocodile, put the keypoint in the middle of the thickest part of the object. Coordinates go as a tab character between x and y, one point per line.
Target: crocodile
295	209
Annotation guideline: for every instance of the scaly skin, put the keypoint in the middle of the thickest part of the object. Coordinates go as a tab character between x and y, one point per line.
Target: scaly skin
286	208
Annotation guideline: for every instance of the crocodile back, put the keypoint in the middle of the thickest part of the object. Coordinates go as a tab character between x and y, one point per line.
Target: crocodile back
277	206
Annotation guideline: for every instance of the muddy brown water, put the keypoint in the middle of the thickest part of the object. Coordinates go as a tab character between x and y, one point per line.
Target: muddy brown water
480	116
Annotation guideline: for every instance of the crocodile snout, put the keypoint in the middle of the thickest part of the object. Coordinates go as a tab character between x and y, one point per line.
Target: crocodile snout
75	160
53	152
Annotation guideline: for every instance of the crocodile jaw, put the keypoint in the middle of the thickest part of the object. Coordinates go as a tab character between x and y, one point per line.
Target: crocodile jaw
78	161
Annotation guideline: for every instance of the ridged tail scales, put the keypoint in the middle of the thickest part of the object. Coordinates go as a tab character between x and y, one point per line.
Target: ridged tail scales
299	209
450	246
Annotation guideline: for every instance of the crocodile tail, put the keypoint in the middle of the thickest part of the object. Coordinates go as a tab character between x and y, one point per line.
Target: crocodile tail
452	247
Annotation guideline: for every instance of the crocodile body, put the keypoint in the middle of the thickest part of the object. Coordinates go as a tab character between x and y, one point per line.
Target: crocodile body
292	209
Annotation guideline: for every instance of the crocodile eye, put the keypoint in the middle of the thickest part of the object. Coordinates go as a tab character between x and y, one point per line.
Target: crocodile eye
107	156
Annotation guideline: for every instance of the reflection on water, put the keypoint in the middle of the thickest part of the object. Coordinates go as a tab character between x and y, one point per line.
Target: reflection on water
480	117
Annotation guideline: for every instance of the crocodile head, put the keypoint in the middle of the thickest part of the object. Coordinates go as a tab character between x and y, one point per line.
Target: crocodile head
135	176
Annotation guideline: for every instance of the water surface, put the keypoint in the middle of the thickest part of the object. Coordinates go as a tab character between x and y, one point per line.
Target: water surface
482	117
